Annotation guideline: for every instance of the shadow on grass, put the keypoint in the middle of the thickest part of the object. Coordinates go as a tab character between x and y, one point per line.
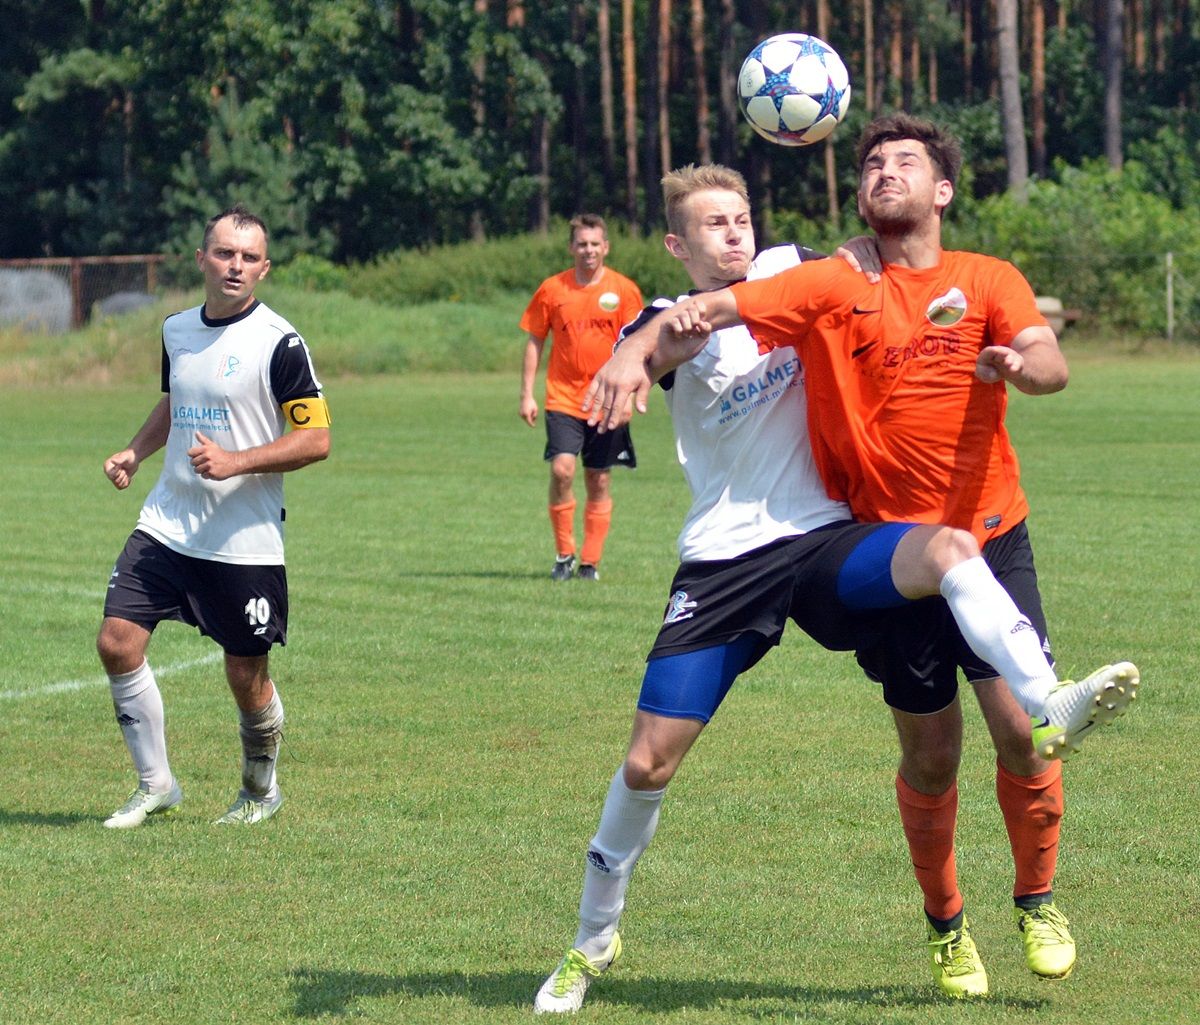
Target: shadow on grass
43	818
320	992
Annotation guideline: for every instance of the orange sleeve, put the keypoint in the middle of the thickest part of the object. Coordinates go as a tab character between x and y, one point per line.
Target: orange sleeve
779	309
536	318
1013	305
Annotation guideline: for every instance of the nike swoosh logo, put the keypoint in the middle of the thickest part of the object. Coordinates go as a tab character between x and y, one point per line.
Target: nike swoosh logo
1045	722
861	349
858	310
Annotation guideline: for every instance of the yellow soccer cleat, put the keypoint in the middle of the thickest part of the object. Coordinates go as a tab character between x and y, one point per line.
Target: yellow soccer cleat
1049	948
957	967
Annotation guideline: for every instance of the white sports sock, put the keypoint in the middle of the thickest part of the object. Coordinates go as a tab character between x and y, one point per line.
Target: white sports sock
626	828
261	733
996	630
138	704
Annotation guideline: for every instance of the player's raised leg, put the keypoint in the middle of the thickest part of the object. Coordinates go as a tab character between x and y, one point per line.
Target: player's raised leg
1063	714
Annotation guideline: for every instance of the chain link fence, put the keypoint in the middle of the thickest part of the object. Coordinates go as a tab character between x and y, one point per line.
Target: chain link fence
57	294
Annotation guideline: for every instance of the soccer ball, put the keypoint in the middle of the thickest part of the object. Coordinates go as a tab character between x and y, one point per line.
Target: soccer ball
793	89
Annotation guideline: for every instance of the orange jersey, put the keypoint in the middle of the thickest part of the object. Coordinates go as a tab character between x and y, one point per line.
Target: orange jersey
586	320
901	427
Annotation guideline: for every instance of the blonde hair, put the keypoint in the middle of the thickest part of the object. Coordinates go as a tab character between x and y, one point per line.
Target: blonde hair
677	185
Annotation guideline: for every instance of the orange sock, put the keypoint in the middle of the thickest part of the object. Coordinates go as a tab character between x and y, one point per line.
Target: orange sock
929	826
1032	808
597	517
562	519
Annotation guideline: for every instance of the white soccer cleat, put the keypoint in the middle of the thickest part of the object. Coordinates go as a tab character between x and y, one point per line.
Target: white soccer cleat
564	990
248	809
1073	710
142	804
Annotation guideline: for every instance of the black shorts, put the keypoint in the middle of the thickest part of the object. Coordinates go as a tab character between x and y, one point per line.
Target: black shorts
570	435
795	578
243	608
918	657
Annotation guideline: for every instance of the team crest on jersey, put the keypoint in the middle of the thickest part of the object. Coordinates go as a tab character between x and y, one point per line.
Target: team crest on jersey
947	310
609	301
230	366
679	608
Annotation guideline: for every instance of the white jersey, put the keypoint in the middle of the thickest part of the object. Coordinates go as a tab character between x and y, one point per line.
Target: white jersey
741	434
227	379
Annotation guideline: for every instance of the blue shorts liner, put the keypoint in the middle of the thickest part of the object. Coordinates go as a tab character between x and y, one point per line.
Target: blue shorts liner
693	685
865	579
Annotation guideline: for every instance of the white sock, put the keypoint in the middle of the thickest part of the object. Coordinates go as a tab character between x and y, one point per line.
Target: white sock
626	828
138	704
261	733
996	630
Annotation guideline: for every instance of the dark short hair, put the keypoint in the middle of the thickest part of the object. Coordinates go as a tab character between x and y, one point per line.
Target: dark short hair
242	218
944	150
587	221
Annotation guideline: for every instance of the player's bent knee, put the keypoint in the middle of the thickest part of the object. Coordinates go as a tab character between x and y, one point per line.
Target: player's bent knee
949	546
121	646
649	772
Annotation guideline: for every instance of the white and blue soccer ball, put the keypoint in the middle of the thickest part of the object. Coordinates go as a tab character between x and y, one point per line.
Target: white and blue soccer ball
794	89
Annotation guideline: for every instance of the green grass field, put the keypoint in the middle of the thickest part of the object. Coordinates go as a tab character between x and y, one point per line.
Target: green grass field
454	720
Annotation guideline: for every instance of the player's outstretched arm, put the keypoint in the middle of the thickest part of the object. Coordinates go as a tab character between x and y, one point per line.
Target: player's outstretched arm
151	436
1032	363
671	339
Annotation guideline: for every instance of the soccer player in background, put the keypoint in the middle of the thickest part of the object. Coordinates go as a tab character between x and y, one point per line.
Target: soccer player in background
208	545
906	384
585	307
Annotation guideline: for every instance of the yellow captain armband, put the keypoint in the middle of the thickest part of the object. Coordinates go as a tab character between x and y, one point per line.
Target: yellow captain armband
310	412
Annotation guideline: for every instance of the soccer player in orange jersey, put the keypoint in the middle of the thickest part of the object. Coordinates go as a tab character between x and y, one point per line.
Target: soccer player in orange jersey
906	379
585	307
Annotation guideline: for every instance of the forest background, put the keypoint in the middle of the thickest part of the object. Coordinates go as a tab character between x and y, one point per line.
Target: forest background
372	133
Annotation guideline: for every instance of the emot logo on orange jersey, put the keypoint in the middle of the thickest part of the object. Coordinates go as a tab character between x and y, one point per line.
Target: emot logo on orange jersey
947	310
609	301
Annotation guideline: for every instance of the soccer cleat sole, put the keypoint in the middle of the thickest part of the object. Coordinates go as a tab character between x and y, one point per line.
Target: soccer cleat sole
1120	690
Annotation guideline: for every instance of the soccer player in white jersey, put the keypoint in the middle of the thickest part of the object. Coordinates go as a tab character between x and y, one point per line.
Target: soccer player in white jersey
762	543
208	545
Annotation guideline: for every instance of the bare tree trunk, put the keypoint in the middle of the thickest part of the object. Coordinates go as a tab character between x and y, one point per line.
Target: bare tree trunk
913	75
895	84
629	84
539	202
968	51
1137	20
664	86
1158	32
727	71
832	207
652	119
1113	61
478	112
700	68
581	157
1037	87
608	130
1016	154
933	72
869	96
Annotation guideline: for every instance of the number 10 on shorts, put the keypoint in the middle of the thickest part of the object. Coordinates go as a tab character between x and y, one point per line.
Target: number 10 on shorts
258	611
